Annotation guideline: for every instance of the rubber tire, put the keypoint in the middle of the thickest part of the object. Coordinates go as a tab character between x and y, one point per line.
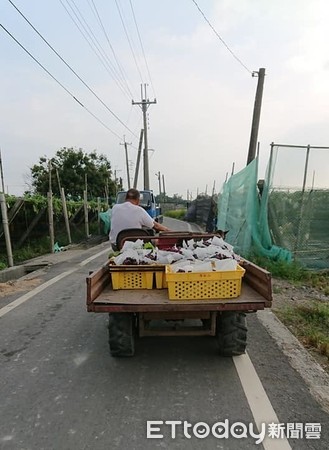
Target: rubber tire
122	334
231	333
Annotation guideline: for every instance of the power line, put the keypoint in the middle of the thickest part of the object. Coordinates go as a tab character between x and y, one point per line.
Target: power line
221	39
69	67
121	70
58	82
128	39
141	44
95	46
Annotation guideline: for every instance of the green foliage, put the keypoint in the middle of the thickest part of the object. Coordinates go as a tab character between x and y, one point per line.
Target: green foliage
291	271
72	168
176	213
317	313
41	246
320	280
37	243
37	202
176	199
295	272
29	251
10	200
309	322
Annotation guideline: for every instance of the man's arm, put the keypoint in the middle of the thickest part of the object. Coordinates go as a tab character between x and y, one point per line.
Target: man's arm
159	227
147	220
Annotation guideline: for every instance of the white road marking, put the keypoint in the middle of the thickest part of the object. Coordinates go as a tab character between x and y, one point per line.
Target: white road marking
91	258
34	292
258	400
6	309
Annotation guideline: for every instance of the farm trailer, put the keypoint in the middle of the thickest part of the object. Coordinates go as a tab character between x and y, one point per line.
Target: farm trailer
149	312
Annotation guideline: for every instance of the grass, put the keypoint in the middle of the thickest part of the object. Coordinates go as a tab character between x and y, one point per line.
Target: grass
41	246
277	289
27	252
291	271
310	323
176	213
295	273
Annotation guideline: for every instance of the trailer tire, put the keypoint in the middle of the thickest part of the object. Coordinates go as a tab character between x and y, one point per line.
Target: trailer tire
231	333
122	334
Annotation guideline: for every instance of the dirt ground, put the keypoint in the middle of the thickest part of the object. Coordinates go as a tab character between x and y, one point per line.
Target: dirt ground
22	284
286	294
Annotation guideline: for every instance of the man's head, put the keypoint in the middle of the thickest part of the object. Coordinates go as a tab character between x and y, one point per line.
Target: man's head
133	196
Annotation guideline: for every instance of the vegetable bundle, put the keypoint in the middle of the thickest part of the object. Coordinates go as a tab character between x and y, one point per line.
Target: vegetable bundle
203	255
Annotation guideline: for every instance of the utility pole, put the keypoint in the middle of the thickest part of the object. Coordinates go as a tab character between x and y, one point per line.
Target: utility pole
213	188
50	211
256	115
144	104
116	179
159	180
127	161
5	225
63	198
164	188
138	157
1	174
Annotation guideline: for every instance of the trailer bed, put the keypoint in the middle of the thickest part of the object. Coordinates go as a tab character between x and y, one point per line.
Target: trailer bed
149	312
256	293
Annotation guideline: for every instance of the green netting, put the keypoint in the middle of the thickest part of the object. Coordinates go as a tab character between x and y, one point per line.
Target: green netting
243	212
106	219
297	198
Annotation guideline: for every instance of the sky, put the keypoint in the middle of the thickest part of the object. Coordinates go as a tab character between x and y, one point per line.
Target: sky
199	72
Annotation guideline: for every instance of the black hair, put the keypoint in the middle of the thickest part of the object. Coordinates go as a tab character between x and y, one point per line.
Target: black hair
132	194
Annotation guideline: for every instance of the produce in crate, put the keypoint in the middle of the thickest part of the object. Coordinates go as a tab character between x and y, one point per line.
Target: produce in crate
193	256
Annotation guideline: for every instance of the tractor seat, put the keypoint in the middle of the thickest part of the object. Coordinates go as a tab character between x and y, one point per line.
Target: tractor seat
135	232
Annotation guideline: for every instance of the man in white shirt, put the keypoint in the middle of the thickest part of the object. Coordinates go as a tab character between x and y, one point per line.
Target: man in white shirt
130	215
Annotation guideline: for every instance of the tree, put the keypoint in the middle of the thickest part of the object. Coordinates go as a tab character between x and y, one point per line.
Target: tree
73	168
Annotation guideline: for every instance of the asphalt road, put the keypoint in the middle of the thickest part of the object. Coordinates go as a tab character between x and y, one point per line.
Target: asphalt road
60	389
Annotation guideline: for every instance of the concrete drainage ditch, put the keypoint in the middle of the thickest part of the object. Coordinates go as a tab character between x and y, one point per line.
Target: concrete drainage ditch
16	272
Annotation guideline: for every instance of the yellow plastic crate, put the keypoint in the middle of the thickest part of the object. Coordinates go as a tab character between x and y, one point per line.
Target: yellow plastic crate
132	280
160	279
136	277
204	285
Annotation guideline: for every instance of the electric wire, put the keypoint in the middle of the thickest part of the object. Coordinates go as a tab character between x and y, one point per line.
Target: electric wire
121	70
221	39
97	49
70	68
59	83
142	47
129	42
91	34
95	45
